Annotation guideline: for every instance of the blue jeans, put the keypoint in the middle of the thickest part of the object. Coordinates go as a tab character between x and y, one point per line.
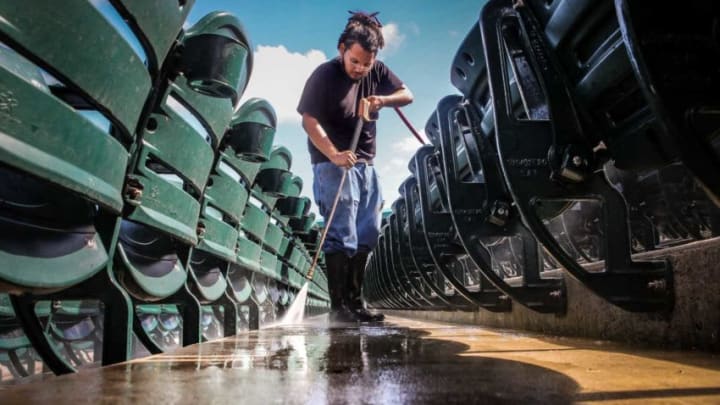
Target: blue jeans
355	226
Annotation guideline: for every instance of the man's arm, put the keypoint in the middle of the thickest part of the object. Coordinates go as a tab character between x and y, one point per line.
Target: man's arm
319	138
399	98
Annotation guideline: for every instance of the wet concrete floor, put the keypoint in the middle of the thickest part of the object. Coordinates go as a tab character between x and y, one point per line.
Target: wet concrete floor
399	362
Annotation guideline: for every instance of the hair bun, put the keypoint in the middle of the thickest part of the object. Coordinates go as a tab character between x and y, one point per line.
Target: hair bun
365	18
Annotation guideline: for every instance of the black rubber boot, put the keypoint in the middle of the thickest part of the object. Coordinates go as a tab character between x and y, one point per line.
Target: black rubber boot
356	275
337	270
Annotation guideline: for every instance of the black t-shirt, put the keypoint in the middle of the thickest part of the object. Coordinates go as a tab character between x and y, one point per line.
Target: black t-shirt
332	97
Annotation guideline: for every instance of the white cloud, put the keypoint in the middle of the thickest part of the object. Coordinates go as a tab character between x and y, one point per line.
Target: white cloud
394	170
393	39
279	76
409	144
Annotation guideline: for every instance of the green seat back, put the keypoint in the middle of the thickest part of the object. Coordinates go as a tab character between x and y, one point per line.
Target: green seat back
296	255
254	126
223	205
291	207
255	221
239	144
273	238
212	114
227	191
295	187
303	224
248	253
59	145
268	265
284	246
280	158
217	236
218	58
274	177
157	23
85	51
173	145
248	170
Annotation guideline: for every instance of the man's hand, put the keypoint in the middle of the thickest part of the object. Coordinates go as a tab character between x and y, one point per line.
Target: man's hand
346	159
376	103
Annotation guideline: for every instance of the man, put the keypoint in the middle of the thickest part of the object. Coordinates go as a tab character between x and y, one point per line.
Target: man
329	108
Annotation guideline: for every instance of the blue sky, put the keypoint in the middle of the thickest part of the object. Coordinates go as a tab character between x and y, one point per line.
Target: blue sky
290	38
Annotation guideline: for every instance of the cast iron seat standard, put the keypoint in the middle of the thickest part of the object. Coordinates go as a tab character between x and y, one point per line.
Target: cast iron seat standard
171	167
442	235
409	264
71	325
378	296
251	136
375	293
403	267
75	327
163	324
16	353
546	157
62	169
480	212
386	282
394	273
419	248
398	296
372	293
642	81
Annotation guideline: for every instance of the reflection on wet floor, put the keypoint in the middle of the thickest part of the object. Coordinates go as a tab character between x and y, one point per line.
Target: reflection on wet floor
400	361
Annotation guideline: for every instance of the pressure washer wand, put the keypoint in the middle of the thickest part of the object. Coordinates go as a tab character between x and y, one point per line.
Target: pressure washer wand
409	125
363	115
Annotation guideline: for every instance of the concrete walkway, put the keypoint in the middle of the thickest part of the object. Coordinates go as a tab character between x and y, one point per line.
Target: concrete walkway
400	361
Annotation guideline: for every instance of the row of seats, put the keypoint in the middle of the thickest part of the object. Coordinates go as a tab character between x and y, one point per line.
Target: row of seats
575	142
137	196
